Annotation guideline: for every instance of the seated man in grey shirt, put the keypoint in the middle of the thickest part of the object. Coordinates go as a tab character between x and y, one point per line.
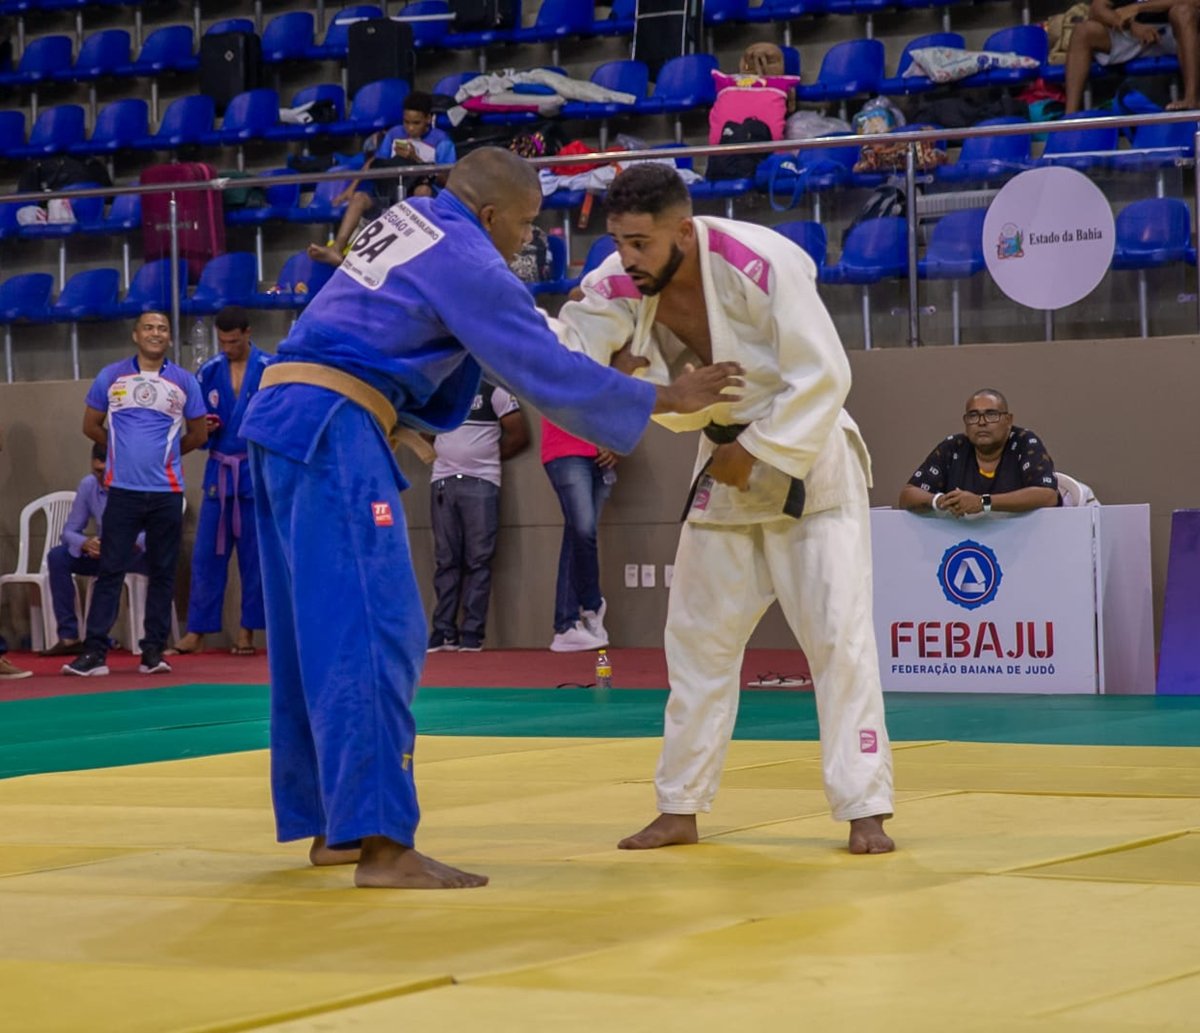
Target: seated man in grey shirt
465	502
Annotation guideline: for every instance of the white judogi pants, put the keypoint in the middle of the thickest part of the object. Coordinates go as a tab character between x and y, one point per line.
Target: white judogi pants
819	568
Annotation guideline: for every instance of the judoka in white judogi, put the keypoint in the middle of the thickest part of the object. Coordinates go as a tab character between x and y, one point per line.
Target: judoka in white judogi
738	552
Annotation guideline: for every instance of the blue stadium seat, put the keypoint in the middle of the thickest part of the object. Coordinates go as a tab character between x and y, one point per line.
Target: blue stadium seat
1157	146
169	49
623	76
337	39
378	105
432	34
119	125
124	214
785	10
955	249
288	37
55	131
601	248
90	294
791	60
986	159
187	120
556	19
230	25
815	170
9	227
25	298
320	207
1026	40
875	250
683	83
556	282
299	281
900	84
249	116
151	289
1080	149
619	21
847	70
323	91
86	209
281	200
725	12
229	279
103	55
12	130
808	235
44	58
1151	234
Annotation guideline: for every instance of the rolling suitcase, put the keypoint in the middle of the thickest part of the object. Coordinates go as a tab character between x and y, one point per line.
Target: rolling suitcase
664	29
379	48
200	215
230	63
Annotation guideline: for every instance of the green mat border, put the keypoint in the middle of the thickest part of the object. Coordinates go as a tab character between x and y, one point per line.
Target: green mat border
109	729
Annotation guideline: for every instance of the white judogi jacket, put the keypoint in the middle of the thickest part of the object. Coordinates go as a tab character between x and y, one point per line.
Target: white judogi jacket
763	312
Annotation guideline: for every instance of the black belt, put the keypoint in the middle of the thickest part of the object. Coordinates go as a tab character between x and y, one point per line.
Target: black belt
723	434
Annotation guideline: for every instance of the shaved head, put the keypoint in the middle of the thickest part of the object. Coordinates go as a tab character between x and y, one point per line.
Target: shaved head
492	175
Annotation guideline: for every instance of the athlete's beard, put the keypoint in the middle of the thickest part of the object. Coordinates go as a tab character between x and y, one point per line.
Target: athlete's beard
652	285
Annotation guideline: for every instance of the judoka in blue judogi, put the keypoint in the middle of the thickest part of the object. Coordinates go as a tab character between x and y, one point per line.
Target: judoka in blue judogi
226	523
422	304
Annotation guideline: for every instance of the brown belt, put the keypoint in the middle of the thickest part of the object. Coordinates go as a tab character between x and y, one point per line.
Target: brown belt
358	391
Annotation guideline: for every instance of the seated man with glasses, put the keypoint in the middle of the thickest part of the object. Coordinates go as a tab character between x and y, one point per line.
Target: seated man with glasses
993	467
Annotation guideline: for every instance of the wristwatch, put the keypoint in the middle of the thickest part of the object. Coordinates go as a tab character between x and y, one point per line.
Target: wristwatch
987	503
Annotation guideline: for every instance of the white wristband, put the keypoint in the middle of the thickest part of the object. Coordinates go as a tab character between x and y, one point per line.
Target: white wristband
933	504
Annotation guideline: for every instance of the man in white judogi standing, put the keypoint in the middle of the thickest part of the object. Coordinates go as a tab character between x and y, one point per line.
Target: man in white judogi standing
778	508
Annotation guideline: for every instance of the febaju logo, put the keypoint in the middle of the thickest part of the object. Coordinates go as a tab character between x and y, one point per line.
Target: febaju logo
969	575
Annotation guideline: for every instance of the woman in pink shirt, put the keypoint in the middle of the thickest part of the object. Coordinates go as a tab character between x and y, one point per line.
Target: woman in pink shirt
582	476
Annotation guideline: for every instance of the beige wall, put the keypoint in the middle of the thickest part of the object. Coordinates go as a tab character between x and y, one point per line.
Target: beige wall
1114	413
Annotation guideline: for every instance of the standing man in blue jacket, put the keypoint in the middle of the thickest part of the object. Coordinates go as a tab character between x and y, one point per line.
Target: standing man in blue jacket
227	381
396	339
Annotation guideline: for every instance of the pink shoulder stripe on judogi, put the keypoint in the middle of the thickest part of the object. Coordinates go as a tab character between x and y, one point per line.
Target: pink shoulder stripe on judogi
737	254
616	287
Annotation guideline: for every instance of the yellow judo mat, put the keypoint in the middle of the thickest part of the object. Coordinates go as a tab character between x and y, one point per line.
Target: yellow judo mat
1036	888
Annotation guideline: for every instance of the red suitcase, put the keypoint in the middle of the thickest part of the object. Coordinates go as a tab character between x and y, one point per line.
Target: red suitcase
200	215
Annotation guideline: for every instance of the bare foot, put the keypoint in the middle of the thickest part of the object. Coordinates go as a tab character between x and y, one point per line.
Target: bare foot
1183	104
867	836
665	830
321	855
387	864
326	253
190	643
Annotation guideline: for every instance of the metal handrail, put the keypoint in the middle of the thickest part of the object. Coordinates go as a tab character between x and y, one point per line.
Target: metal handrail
909	138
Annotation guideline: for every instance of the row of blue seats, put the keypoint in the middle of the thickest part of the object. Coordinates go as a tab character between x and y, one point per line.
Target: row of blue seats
94	294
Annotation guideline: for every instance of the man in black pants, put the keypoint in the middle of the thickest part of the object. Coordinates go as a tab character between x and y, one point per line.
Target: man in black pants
155	414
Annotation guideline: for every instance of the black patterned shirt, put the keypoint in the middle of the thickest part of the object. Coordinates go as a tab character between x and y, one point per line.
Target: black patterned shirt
1025	463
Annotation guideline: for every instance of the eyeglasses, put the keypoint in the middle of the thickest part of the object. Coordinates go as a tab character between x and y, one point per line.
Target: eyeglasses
987	416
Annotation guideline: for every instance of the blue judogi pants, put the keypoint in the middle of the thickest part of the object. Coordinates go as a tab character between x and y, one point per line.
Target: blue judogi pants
345	635
210	572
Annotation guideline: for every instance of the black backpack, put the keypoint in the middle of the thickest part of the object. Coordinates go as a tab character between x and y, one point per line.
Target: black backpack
738	166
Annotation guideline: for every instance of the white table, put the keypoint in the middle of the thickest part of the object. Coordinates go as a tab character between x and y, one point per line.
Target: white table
1053	601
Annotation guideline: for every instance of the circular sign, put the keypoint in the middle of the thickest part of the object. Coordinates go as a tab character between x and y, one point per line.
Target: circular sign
969	574
1048	237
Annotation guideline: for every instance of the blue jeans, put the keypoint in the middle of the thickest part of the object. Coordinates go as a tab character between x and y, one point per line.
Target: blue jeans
466	517
62	566
582	491
127	513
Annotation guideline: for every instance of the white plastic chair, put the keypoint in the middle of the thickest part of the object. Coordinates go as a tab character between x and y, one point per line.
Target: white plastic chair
56	507
1075	493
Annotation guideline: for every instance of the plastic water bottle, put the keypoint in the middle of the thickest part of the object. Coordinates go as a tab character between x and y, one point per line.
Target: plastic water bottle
603	670
201	344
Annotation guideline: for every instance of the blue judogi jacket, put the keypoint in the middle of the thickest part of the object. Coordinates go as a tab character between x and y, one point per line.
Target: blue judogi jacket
216	386
420	305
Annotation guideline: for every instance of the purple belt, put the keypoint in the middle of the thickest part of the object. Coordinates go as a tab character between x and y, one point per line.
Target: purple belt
232	463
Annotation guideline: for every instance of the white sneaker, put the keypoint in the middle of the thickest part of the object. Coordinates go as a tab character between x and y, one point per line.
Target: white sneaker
593	620
576	639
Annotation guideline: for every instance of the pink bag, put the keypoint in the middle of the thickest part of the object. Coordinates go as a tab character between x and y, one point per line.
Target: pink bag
741	97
